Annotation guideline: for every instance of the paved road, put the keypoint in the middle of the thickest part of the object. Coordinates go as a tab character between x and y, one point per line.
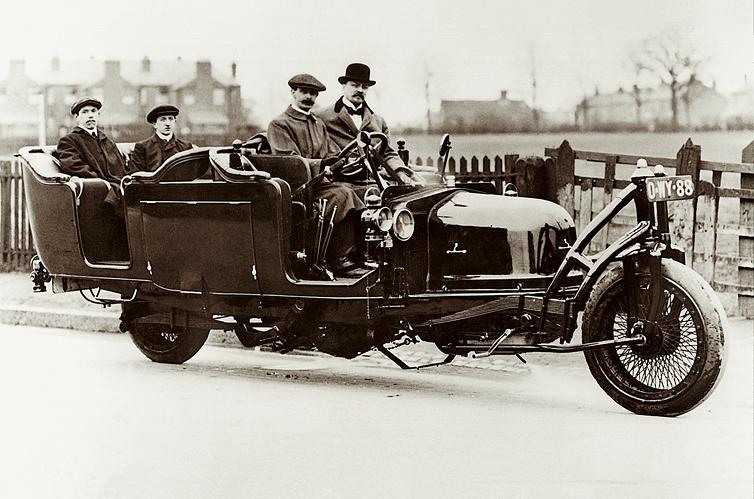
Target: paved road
85	415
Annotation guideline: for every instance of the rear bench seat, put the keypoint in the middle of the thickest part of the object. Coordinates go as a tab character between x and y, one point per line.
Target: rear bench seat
102	235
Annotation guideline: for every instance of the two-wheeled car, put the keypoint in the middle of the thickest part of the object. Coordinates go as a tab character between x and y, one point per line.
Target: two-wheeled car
215	239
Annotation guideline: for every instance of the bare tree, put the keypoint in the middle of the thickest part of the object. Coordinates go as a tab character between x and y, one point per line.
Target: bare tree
667	58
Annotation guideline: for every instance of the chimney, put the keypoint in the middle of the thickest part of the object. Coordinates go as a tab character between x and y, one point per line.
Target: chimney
146	65
55	63
112	69
233	69
503	95
204	69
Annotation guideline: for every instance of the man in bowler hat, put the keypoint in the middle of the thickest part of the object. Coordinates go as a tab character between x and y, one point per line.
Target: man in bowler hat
298	131
351	114
87	152
149	154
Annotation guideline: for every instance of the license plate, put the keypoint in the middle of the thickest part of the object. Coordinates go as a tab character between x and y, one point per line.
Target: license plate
670	188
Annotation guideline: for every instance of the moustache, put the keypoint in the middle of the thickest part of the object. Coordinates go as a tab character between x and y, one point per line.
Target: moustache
308	101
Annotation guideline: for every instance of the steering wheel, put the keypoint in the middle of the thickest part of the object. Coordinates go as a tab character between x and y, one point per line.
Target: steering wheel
366	154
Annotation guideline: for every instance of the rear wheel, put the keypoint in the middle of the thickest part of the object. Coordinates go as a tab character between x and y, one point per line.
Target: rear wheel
168	345
682	359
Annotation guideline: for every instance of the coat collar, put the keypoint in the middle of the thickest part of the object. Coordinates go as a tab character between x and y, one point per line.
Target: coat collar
158	140
298	115
100	133
342	112
339	105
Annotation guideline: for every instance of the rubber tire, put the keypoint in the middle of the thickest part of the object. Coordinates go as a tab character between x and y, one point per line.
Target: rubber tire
710	358
147	336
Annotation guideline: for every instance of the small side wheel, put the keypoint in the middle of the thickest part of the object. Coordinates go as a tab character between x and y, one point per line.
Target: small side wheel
681	361
161	343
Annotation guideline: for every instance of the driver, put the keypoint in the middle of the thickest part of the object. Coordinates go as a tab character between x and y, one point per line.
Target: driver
298	131
351	114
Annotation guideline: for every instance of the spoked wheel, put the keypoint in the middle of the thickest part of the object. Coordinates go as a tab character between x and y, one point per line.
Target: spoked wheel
168	345
680	363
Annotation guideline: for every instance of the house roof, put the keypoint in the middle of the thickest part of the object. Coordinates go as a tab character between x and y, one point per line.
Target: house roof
88	72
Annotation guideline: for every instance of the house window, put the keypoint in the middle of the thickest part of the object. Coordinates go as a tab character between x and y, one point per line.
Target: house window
143	96
51	98
188	98
128	100
70	98
218	96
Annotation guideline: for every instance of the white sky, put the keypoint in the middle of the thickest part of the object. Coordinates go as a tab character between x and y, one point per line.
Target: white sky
466	49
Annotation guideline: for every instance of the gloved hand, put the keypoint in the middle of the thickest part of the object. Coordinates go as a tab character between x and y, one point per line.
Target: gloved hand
330	164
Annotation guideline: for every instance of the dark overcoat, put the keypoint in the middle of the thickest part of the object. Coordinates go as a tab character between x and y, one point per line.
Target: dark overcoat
294	132
149	154
84	156
343	130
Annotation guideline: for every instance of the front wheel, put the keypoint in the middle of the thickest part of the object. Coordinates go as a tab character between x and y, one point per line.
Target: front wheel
681	361
168	345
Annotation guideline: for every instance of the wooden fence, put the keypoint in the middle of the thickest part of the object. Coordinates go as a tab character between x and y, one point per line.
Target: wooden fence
16	246
719	243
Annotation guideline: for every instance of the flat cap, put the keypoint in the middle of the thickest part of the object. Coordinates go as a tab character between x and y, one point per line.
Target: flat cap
162	110
306	81
86	101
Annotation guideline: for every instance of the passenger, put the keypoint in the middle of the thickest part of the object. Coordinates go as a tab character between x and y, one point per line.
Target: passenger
298	131
87	152
351	114
149	154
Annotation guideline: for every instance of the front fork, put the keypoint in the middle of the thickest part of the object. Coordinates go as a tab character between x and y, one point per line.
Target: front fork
633	287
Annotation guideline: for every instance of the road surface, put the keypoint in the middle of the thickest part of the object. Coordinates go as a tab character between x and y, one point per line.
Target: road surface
86	415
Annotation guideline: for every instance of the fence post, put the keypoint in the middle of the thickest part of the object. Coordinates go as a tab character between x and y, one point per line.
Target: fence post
683	213
403	153
565	170
746	241
5	209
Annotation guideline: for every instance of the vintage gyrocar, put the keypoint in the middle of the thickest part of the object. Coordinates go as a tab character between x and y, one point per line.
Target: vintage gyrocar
214	239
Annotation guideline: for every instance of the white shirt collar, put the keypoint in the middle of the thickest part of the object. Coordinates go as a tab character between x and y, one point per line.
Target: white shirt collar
294	106
93	133
357	119
166	138
351	104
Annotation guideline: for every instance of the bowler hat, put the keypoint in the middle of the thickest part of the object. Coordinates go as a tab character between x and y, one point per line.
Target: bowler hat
162	110
357	72
86	101
304	80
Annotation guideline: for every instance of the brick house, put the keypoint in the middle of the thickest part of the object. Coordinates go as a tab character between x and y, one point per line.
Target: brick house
209	99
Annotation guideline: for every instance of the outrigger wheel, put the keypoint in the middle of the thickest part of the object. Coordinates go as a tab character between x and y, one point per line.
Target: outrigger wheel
366	154
165	344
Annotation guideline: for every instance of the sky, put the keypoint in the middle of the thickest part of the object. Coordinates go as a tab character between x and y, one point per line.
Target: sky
420	51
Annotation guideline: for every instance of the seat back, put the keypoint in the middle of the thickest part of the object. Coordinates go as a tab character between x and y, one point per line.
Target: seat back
42	160
45	163
292	169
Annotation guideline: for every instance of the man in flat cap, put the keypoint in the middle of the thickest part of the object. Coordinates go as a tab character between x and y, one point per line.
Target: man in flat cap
351	114
298	131
87	152
149	154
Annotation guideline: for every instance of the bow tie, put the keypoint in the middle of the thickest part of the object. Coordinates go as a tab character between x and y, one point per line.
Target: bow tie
355	112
